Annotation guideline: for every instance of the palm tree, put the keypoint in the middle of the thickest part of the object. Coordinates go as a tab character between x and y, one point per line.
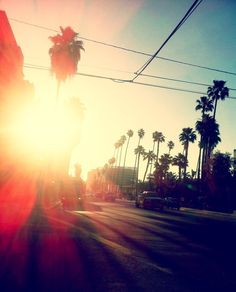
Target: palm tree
138	152
160	138
170	145
217	92
165	161
150	156
180	161
141	134
154	138
204	104
187	135
130	134
210	137
121	142
65	54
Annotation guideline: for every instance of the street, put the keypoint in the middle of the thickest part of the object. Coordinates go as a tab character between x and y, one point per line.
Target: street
117	247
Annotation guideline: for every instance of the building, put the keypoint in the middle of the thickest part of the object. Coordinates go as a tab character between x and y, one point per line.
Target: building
118	179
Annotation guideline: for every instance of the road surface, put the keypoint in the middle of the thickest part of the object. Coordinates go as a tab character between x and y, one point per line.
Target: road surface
117	247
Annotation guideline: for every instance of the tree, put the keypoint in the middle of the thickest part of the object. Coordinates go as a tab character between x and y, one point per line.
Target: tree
187	135
65	54
217	92
150	156
220	181
210	137
141	134
180	161
204	104
160	138
170	145
130	134
154	138
121	143
138	152
162	168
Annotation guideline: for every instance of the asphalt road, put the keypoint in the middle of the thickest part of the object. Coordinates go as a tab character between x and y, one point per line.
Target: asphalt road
117	247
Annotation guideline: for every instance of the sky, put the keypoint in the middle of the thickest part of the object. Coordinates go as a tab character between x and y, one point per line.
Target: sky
207	38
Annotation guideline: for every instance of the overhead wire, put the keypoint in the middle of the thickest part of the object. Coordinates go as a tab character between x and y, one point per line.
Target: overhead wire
31	66
182	21
132	50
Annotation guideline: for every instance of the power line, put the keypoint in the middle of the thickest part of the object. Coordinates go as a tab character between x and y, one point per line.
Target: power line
178	80
118	80
132	50
182	21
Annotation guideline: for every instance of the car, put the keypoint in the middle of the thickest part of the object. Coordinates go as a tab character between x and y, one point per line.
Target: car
149	200
172	203
71	202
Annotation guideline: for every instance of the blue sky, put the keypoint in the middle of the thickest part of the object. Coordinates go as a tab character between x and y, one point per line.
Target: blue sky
208	38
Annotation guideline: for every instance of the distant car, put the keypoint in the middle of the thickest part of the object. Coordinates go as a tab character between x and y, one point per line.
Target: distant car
149	200
72	202
109	197
172	203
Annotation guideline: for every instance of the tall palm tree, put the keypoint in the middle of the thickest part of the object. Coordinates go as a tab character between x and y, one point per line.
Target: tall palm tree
205	105
150	156
186	136
130	134
65	54
170	145
138	152
154	138
160	139
217	92
122	142
141	134
180	161
210	137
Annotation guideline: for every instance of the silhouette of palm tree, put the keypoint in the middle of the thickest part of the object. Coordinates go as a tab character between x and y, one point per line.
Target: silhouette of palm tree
65	54
150	156
170	145
217	92
187	135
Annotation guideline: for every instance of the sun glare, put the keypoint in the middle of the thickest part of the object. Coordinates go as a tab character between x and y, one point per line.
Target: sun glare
45	129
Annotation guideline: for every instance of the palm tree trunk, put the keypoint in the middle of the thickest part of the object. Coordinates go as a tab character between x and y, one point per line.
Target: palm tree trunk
158	145
135	166
199	163
186	157
214	115
179	173
152	160
122	173
136	185
148	162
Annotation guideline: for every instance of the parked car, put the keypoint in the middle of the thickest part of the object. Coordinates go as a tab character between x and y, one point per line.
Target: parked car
149	200
172	203
109	197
